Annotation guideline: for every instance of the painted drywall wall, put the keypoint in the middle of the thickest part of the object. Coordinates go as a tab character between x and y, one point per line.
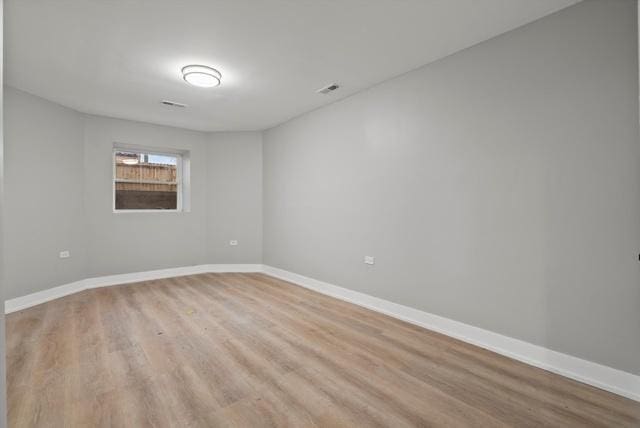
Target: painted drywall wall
234	197
43	203
134	242
59	197
497	187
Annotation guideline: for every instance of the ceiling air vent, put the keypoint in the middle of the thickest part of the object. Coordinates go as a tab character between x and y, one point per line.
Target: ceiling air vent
332	87
172	104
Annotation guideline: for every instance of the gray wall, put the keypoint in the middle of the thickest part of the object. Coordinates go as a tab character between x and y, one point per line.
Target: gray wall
234	197
135	242
43	210
59	197
497	187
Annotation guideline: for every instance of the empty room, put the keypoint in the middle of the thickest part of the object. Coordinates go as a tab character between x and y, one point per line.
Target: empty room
320	213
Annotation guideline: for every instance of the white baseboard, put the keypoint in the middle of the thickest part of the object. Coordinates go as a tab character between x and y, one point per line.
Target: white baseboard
23	302
33	299
600	376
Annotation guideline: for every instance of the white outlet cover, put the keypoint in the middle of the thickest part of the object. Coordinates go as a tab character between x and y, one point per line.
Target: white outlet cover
369	260
65	254
233	242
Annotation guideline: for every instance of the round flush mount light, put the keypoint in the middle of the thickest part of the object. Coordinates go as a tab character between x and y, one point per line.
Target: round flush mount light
201	76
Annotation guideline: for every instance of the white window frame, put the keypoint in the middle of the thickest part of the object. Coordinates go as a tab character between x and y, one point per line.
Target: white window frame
141	150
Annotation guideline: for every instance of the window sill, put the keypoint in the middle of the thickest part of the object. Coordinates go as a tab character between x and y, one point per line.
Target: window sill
147	211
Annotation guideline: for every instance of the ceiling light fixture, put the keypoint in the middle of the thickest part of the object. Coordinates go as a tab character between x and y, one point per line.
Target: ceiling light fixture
130	161
201	76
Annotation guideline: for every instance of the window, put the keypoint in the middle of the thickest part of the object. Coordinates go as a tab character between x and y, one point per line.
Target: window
148	181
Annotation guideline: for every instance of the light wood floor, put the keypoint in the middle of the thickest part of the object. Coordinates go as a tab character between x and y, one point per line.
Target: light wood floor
248	350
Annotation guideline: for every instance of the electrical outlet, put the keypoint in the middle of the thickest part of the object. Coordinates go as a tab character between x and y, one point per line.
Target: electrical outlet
233	242
369	260
65	254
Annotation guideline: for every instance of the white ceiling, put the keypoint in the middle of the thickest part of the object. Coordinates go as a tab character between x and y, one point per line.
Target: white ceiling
119	58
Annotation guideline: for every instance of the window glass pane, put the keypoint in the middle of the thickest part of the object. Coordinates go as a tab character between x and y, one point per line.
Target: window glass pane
146	181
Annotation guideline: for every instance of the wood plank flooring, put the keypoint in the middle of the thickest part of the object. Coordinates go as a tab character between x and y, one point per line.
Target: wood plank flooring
248	350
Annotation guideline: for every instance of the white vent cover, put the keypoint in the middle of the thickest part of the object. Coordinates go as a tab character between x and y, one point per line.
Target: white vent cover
329	88
172	103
